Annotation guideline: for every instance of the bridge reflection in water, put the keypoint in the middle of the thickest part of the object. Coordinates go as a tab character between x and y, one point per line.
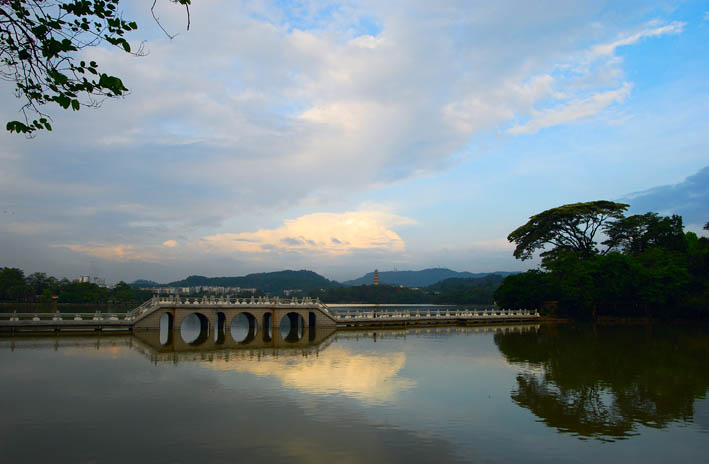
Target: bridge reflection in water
170	346
197	335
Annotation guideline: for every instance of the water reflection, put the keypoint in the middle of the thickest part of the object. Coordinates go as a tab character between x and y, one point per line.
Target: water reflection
368	377
166	328
601	382
194	329
406	395
243	328
288	410
292	327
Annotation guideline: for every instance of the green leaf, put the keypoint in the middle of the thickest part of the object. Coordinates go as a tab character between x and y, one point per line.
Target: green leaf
17	126
62	100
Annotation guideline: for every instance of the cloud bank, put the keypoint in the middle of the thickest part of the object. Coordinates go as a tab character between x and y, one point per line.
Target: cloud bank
689	199
272	110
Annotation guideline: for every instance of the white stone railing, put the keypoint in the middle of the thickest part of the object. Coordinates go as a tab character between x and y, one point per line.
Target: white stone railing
226	300
336	313
436	314
57	316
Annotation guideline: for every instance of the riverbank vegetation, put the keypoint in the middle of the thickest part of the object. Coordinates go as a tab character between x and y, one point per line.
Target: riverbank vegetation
38	288
646	265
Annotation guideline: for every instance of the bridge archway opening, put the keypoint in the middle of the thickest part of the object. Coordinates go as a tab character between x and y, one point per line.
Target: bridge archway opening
243	328
220	329
194	329
267	327
292	327
167	323
311	320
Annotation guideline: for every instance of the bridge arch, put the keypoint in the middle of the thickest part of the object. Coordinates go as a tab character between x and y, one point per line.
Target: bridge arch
220	329
267	326
243	327
312	320
194	328
167	325
292	327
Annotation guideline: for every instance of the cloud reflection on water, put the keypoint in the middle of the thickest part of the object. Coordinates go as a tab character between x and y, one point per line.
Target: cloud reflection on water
368	377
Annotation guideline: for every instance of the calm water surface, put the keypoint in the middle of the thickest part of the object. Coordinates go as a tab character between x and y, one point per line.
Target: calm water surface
525	393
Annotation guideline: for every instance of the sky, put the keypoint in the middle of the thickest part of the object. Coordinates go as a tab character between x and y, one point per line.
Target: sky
346	136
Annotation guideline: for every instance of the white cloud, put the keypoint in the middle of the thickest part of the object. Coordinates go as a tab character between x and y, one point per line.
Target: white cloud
573	110
608	49
318	233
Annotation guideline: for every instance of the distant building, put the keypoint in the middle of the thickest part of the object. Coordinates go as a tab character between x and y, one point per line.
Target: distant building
84	279
376	277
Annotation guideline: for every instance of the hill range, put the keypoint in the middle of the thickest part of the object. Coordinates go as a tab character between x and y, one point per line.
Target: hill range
276	282
422	278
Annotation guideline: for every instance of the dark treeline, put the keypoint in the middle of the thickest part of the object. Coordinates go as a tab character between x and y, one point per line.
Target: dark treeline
450	291
15	287
649	268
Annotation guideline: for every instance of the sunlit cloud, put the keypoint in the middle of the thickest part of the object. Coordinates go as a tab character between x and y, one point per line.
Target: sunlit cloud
321	233
120	253
170	243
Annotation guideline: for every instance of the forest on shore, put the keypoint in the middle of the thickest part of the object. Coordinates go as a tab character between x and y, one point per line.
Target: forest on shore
37	287
646	266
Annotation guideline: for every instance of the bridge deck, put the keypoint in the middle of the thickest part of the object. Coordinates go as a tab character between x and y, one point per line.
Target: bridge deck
341	317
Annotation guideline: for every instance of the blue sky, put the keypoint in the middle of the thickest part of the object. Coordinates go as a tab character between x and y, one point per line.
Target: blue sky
347	136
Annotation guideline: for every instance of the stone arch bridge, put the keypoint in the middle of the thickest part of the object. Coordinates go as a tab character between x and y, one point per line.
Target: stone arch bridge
263	315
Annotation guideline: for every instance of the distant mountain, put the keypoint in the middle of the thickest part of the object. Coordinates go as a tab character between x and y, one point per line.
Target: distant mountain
457	284
268	282
421	278
145	283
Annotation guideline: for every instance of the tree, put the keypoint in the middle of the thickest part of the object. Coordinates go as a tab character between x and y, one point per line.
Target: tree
123	292
635	234
12	284
39	41
38	282
523	291
570	227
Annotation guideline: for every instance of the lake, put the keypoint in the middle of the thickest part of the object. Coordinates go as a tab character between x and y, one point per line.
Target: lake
532	393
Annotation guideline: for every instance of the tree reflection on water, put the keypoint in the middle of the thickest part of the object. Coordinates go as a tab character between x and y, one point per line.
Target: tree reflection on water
601	382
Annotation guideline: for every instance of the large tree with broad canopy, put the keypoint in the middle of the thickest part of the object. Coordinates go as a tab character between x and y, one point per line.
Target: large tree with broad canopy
571	227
